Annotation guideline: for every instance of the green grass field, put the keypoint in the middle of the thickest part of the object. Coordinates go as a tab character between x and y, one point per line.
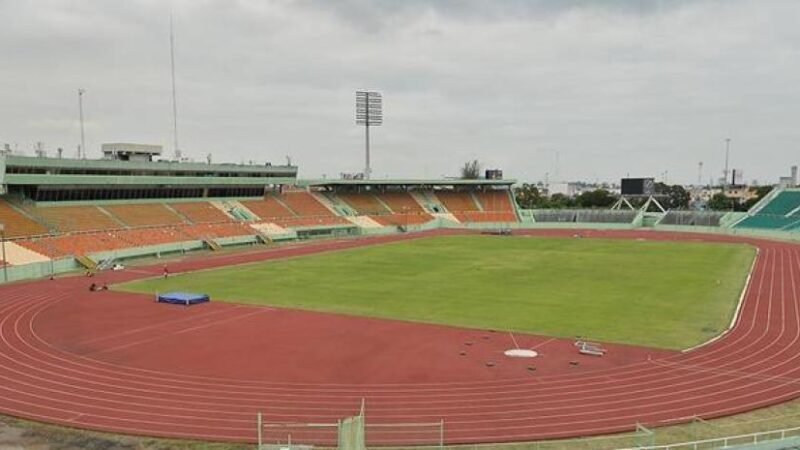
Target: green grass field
660	294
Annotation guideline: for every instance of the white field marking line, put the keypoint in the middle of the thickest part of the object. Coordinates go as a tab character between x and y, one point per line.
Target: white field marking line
542	344
320	247
513	339
733	373
155	325
94	367
459	386
736	312
723	350
185	330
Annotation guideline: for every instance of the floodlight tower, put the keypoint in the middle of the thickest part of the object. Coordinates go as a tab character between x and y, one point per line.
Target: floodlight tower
174	95
80	114
369	112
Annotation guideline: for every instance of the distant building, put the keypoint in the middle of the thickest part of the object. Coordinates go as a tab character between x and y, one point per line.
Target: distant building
131	152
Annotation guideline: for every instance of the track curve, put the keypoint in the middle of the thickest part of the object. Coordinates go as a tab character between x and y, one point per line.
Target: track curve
755	364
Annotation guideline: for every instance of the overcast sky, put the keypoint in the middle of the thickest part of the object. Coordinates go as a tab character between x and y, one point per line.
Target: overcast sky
577	89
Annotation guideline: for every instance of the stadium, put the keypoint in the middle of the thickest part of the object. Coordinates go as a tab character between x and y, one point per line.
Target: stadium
382	313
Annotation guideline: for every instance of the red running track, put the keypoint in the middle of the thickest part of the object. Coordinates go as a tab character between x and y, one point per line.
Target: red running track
69	358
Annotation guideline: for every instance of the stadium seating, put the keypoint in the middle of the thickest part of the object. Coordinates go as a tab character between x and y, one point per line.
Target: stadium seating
496	201
216	230
365	204
268	208
76	244
293	210
200	212
782	212
403	219
765	221
401	202
783	203
486	216
304	204
140	215
141	237
457	202
75	218
16	224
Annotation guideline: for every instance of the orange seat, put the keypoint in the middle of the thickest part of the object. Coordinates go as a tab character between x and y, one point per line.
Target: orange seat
17	224
75	218
200	212
140	215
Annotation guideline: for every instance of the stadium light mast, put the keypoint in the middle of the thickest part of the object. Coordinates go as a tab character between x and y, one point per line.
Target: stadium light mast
82	150
174	94
369	112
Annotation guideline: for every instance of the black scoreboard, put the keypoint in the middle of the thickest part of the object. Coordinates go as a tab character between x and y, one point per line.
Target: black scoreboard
494	174
638	186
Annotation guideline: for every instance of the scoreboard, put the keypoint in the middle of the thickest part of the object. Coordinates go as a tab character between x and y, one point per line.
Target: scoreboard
638	186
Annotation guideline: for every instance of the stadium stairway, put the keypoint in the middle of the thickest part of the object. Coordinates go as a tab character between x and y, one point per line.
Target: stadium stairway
88	263
365	204
240	211
428	201
212	244
447	217
17	255
220	205
365	222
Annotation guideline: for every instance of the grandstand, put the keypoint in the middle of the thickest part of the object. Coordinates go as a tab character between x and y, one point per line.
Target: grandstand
780	210
59	209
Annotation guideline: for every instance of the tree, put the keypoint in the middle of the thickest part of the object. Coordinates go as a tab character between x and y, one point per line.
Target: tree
559	201
676	197
471	170
598	198
761	192
721	202
528	196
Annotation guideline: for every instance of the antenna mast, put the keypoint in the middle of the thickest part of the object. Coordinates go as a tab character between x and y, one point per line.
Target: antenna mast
174	95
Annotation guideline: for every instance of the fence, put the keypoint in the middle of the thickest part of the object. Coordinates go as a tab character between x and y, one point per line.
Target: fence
351	433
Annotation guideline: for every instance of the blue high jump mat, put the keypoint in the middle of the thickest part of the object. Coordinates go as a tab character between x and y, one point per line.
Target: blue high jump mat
183	298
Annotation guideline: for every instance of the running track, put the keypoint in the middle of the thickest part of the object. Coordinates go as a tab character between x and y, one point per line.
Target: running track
756	364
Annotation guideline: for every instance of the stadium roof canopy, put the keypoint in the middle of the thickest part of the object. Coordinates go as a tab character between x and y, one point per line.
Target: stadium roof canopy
27	170
407	182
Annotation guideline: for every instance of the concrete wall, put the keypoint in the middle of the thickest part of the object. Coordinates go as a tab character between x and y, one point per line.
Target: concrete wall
37	270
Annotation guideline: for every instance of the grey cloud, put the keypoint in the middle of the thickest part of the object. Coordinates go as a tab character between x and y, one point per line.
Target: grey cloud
614	87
